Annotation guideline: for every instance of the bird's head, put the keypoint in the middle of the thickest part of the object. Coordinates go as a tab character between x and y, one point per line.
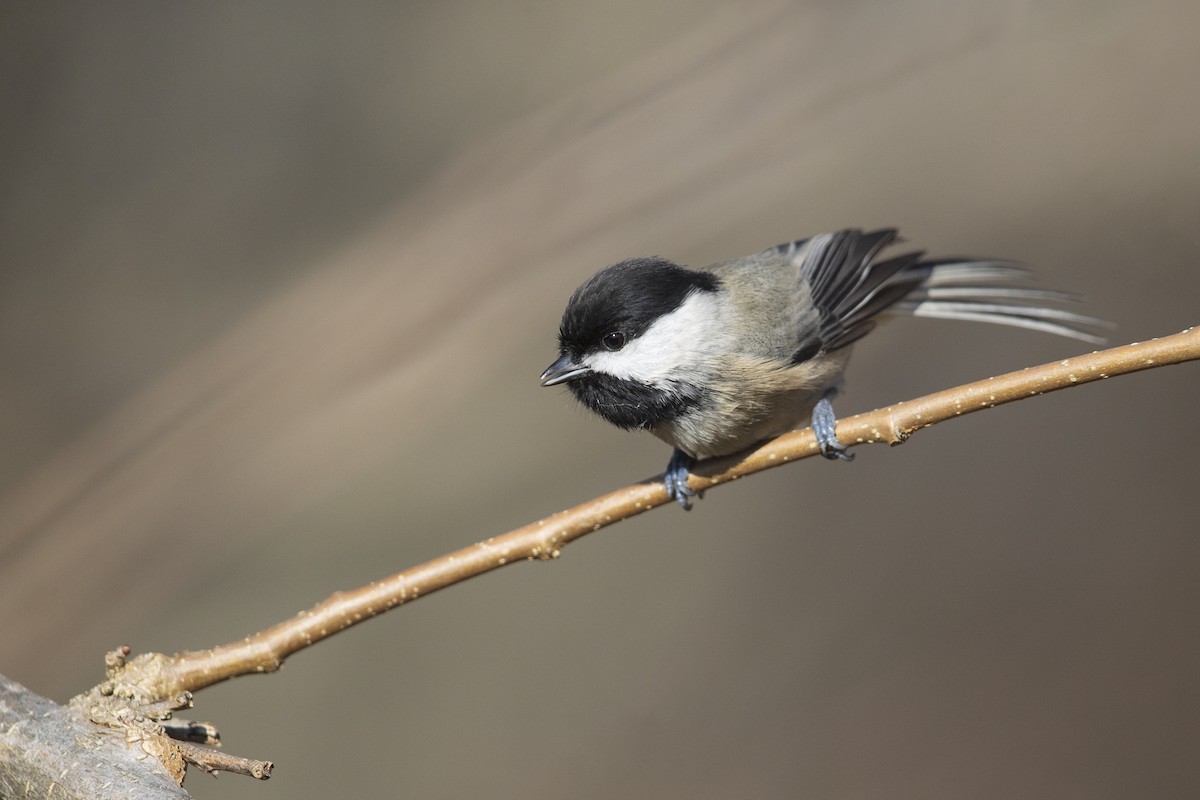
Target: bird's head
634	339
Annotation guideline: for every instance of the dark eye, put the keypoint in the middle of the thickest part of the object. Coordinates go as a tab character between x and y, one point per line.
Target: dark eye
613	341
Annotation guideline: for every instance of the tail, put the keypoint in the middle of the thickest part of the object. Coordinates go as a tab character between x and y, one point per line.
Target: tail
998	292
851	287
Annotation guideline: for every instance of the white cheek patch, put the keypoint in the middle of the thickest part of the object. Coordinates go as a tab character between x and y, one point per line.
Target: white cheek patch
676	348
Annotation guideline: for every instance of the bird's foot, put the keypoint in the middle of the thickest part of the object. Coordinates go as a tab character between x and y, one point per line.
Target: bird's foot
676	479
824	425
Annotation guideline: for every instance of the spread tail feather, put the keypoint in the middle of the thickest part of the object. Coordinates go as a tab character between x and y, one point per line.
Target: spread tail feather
996	292
851	287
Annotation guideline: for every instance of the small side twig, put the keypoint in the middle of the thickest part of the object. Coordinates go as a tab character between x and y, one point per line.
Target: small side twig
152	676
214	761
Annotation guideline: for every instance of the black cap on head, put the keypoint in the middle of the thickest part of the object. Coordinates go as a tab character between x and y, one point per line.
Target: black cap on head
627	297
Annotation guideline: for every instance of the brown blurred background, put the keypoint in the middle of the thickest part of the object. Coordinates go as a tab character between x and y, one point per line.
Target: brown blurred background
276	284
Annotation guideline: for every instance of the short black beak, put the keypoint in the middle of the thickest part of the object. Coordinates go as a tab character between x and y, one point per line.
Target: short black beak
563	370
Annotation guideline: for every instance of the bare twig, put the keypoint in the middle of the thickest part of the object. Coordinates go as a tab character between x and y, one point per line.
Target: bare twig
214	761
151	676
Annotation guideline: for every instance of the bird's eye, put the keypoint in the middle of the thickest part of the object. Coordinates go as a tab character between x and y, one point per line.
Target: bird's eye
613	341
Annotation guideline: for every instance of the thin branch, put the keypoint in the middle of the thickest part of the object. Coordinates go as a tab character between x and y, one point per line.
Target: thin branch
214	761
151	676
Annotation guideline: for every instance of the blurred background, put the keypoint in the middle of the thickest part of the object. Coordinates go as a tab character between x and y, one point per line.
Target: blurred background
277	282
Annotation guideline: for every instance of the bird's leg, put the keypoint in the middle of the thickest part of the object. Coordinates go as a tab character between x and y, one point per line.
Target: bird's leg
824	424
676	478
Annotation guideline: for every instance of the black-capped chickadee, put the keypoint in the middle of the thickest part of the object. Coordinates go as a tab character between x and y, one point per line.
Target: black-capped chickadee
715	359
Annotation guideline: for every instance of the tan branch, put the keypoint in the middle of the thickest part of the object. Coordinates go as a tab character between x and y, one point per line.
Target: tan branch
152	676
213	761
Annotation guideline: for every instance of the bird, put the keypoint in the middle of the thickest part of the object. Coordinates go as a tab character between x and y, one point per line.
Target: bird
715	359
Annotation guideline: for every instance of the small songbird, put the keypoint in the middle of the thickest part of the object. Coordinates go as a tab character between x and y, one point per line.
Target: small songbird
715	359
